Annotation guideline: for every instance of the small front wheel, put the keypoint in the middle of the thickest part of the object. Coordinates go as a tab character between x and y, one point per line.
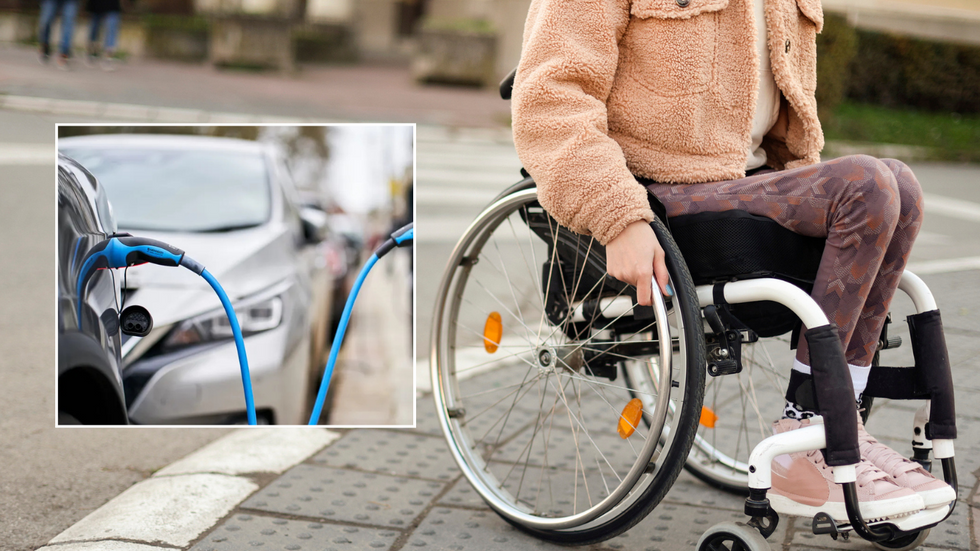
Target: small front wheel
904	543
732	536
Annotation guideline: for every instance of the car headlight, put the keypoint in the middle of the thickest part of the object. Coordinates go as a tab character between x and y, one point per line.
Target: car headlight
253	317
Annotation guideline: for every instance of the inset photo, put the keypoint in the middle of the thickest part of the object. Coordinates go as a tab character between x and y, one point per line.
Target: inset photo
215	275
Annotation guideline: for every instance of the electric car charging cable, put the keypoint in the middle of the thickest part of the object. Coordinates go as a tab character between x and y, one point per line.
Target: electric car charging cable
401	238
122	250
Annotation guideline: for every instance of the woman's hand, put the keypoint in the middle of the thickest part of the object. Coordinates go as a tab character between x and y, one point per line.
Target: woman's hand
634	256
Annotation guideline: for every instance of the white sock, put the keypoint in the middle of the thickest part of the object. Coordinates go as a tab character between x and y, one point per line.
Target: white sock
800	366
859	375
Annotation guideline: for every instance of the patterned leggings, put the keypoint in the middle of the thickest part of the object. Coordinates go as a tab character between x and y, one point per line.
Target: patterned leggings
870	212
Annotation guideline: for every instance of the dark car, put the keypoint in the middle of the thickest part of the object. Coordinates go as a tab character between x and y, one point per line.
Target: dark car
90	387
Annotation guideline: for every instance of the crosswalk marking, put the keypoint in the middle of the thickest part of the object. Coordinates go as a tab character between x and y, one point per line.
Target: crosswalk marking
459	172
12	154
945	265
952	208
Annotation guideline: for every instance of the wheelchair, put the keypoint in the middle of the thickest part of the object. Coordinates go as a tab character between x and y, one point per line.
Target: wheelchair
571	410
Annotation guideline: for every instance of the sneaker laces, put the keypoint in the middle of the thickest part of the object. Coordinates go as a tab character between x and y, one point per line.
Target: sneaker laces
866	471
886	458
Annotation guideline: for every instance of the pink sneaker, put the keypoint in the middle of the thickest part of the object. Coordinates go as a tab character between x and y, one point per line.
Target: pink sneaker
803	485
905	472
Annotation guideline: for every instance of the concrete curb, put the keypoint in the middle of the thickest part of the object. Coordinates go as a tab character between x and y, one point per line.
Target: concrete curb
177	504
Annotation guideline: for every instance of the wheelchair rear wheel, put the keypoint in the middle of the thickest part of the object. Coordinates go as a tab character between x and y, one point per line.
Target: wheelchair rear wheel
527	368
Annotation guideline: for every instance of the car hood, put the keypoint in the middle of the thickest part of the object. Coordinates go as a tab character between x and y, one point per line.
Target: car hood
244	262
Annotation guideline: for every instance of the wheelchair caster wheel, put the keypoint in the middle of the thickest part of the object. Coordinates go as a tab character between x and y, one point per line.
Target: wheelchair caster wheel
904	543
732	536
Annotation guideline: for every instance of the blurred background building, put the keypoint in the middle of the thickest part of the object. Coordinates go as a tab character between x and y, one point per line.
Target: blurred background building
281	32
902	72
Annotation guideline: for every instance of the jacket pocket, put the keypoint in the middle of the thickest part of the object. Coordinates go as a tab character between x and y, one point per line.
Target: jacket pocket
812	10
674	9
670	45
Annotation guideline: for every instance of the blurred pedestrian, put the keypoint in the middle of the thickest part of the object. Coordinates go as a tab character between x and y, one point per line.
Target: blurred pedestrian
103	12
49	10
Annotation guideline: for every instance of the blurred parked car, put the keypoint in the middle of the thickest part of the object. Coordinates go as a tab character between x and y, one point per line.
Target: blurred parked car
349	232
230	204
90	389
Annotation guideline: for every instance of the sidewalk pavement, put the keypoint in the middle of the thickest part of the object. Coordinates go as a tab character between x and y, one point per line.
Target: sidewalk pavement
301	489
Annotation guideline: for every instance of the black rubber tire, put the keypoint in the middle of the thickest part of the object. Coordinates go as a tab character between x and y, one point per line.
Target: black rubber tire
904	543
732	536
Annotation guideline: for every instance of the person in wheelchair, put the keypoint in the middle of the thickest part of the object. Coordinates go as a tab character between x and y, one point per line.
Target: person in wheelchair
709	105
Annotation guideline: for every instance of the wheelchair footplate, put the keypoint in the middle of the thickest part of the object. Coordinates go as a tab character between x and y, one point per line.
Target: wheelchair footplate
900	527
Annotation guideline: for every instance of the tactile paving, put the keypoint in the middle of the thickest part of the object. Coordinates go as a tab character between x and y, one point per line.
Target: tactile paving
596	450
688	490
461	529
245	531
955	531
463	495
967	452
556	495
344	495
670	527
388	452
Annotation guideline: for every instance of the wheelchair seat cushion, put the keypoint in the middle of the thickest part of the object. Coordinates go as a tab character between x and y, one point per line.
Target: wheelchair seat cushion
734	244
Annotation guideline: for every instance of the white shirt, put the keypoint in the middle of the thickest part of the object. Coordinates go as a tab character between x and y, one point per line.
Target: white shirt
767	107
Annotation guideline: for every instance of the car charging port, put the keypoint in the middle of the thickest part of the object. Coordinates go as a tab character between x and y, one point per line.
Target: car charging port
136	321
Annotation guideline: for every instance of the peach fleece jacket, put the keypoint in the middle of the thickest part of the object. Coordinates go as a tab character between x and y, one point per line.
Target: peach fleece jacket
663	89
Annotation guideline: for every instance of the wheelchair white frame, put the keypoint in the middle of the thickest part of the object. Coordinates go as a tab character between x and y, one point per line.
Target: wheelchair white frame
813	437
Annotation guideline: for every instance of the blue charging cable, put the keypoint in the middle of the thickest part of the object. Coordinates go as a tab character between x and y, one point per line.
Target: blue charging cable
122	250
239	342
401	238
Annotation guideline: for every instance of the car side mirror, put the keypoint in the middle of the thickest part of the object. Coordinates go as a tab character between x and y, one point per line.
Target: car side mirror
315	224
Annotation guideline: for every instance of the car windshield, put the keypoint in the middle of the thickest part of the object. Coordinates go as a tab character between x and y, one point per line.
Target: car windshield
181	190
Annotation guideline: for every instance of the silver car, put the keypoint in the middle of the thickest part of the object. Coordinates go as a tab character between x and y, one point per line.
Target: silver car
230	204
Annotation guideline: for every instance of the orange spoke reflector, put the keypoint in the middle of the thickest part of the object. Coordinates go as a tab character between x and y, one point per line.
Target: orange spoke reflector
708	417
492	331
630	418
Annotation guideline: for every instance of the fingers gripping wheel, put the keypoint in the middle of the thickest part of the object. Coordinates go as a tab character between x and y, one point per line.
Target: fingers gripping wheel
540	415
732	536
